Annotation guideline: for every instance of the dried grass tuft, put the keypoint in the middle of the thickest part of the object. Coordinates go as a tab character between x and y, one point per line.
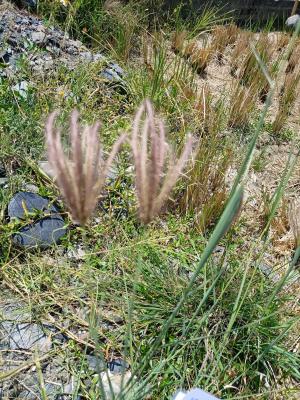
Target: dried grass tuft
242	104
288	97
178	41
200	59
294	221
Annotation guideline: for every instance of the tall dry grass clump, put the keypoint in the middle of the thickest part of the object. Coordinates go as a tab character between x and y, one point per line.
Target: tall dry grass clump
241	46
206	190
222	37
156	170
200	59
287	99
293	60
250	73
241	106
80	177
178	41
294	221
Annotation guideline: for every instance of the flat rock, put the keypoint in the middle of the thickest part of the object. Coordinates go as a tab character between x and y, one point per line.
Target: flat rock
95	363
25	336
117	366
43	233
113	383
23	203
46	168
47	230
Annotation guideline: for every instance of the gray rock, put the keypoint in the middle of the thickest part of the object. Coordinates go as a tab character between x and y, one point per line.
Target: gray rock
29	187
292	21
26	336
269	272
113	383
117	366
77	253
38	37
87	56
2	170
27	202
20	31
111	75
95	363
3	182
43	233
21	88
46	168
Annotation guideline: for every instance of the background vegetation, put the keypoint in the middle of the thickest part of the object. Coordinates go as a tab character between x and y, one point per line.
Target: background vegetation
183	312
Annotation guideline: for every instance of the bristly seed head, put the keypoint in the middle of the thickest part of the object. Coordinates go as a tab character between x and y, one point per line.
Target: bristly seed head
155	171
80	177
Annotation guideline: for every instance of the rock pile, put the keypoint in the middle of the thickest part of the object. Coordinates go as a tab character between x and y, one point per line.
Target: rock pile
25	37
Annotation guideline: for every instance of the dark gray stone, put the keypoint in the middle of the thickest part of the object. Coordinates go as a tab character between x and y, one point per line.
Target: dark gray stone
38	37
95	363
117	366
43	233
2	170
3	182
27	202
110	75
25	336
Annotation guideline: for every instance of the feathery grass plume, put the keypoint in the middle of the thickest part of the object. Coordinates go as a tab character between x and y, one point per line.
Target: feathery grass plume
81	176
155	171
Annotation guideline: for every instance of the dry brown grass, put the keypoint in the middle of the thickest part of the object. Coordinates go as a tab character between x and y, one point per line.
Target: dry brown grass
282	40
287	99
293	60
178	41
223	36
242	45
242	104
190	48
206	189
201	58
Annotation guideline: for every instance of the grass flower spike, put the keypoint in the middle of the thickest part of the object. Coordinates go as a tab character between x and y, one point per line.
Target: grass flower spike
155	173
80	177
